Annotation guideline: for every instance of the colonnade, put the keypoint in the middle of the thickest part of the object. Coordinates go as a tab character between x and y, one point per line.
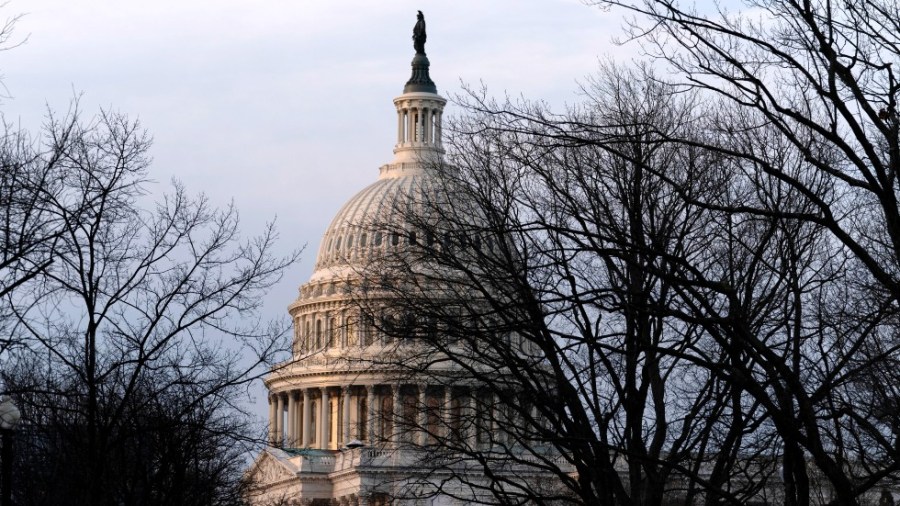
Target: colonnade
419	124
328	417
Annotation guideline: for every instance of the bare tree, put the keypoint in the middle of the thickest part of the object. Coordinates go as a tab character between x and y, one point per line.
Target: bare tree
699	295
815	81
142	334
559	265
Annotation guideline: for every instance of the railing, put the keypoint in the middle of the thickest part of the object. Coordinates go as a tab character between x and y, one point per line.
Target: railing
335	461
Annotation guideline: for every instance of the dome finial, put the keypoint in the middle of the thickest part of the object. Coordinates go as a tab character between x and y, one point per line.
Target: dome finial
420	81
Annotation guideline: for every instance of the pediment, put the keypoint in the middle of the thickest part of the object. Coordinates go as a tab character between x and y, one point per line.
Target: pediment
269	469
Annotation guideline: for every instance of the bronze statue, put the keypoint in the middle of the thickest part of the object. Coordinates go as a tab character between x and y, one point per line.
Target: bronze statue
419	34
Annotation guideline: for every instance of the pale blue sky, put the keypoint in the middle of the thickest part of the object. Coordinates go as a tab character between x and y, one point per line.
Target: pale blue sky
285	105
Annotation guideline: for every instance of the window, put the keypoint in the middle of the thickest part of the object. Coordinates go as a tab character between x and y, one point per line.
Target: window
433	425
377	238
318	334
335	419
362	429
352	338
483	416
447	244
409	404
412	238
313	414
366	331
385	422
362	240
389	326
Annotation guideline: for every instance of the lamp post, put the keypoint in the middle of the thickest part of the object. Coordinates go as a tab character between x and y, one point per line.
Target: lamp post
9	418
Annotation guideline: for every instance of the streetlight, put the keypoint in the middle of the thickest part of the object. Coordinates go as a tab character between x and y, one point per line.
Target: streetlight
9	418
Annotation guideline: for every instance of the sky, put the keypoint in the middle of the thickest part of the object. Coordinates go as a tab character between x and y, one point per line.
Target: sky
285	106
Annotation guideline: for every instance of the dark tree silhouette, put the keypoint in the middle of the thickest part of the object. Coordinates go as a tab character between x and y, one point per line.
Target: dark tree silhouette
679	291
557	263
139	336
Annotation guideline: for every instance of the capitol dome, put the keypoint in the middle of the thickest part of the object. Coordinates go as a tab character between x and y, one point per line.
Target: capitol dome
343	410
376	220
327	394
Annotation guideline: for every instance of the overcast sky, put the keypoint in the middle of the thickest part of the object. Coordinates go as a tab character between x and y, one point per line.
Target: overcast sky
286	106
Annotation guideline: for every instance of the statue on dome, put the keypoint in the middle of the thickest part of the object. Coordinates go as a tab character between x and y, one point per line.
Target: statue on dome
419	34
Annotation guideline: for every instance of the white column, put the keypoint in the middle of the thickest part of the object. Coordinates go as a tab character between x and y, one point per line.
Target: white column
325	419
411	124
272	406
423	415
307	420
370	416
473	412
400	126
426	124
448	411
345	429
494	415
291	421
395	422
279	420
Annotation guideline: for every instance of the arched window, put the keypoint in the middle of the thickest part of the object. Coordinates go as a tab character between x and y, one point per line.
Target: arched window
388	326
318	334
362	240
307	336
334	338
352	338
366	326
377	238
